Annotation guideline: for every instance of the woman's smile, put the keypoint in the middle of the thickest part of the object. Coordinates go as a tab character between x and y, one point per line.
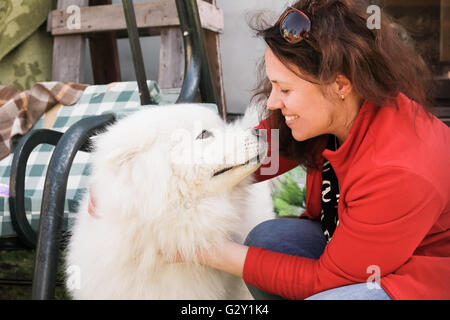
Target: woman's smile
291	119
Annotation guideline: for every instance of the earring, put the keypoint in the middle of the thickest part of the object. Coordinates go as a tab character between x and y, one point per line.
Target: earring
343	97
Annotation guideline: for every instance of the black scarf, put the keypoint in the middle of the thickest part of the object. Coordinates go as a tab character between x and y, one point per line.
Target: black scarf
330	194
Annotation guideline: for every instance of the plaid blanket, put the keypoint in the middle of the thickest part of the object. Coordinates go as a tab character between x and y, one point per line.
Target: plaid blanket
19	111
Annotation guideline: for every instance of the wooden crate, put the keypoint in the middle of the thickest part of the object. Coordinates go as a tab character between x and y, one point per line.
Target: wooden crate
103	23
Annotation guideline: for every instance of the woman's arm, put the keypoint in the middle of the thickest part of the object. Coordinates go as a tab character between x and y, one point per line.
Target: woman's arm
230	258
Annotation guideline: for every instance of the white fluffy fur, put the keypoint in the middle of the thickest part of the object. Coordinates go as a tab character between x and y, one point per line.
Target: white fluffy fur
155	196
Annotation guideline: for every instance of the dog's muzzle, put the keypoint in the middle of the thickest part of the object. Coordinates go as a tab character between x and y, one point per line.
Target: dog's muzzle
261	138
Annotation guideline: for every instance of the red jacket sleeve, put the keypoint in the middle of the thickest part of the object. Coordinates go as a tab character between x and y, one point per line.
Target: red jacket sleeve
383	218
277	165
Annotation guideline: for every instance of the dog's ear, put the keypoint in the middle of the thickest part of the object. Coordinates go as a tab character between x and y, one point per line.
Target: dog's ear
119	150
120	157
134	170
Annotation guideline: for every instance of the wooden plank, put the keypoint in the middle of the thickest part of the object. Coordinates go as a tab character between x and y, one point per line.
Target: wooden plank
104	53
211	17
68	51
171	58
445	31
171	68
215	64
171	71
155	14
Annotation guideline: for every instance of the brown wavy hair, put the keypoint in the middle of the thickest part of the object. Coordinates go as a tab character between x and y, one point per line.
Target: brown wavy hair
376	61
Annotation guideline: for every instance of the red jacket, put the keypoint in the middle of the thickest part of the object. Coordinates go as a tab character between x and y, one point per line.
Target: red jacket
394	211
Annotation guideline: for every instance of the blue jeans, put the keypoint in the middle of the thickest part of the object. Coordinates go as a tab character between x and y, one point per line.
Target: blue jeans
303	237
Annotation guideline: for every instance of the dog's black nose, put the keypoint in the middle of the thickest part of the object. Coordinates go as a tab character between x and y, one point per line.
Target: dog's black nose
259	133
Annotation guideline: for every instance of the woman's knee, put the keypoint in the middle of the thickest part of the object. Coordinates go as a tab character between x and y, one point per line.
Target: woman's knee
258	235
301	237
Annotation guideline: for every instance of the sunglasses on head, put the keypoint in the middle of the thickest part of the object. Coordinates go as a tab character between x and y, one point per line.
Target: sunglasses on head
295	26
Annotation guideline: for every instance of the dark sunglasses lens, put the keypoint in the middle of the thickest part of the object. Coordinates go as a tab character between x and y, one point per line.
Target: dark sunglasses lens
294	26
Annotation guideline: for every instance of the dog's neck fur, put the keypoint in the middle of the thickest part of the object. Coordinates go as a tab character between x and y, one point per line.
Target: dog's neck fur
184	218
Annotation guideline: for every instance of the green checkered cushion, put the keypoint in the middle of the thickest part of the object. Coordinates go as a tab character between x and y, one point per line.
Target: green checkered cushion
121	98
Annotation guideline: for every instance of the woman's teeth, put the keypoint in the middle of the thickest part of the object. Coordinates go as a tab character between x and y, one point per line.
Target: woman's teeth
290	118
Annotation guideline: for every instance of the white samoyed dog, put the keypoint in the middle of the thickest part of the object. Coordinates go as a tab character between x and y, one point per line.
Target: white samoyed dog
167	180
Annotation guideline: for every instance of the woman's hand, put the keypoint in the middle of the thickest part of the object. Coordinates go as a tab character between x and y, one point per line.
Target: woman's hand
230	258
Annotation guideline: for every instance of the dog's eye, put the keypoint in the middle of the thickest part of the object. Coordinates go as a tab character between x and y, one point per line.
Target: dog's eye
204	135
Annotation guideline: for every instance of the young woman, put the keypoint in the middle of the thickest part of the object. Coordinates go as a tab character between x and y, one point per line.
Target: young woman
351	106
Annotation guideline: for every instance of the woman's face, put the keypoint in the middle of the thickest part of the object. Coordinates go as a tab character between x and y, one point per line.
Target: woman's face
307	112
